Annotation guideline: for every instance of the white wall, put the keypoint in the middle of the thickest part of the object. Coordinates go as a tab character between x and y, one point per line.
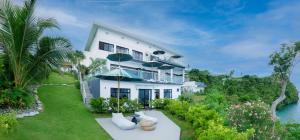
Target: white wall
106	85
124	41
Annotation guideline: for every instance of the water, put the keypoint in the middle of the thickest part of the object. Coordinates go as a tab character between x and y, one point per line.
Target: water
290	113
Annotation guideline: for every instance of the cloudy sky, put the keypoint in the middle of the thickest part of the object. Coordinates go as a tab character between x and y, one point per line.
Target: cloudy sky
219	35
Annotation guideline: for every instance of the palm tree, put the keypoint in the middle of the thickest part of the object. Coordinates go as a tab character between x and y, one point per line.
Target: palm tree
97	66
30	55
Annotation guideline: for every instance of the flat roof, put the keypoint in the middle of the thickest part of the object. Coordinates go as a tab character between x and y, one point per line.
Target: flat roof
96	26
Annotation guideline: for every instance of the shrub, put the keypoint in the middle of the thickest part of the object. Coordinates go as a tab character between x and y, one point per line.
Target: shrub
290	131
252	115
99	105
7	121
188	97
219	132
16	98
129	106
215	100
178	108
160	103
113	104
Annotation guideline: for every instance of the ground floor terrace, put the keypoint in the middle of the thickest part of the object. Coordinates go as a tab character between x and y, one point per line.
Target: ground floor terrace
143	92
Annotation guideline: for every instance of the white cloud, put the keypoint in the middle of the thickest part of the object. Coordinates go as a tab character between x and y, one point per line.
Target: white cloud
62	17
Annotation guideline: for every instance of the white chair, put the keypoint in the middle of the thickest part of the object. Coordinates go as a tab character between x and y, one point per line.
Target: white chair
120	121
145	117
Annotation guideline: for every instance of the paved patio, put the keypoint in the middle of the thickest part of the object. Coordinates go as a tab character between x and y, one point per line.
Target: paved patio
165	129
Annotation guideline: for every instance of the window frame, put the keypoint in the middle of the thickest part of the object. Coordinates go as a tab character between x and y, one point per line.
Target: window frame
114	92
168	91
138	54
104	46
124	48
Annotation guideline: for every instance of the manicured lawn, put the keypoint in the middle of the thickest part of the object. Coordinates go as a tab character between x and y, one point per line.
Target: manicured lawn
64	117
56	78
187	132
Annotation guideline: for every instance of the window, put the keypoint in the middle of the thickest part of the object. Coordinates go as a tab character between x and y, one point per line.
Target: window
156	91
124	93
106	46
137	55
153	58
168	93
122	50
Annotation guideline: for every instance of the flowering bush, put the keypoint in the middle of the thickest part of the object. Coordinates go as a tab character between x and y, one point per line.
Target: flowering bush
160	103
252	115
102	105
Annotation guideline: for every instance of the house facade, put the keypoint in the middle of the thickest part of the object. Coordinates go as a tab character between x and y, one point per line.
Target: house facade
155	84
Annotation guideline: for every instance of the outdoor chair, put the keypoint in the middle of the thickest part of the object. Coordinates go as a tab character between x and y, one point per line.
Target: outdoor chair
145	117
120	121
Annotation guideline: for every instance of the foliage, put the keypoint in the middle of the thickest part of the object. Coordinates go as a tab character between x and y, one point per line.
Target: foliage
102	105
129	106
208	124
29	55
160	103
291	131
188	97
178	108
16	98
283	64
245	88
97	66
99	105
7	121
220	132
252	115
216	101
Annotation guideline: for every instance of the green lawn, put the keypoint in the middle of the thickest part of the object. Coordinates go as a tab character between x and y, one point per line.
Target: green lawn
187	131
56	78
64	116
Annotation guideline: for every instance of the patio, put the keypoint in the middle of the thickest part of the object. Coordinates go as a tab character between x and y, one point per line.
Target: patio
165	129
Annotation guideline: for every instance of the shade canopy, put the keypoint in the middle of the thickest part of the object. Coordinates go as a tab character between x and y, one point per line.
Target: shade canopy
176	56
119	74
159	52
119	57
152	64
166	67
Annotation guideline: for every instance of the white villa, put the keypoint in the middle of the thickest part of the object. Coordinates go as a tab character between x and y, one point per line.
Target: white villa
104	40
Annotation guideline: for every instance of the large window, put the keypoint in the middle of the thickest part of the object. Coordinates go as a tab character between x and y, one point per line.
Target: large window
137	55
168	93
124	93
122	50
106	46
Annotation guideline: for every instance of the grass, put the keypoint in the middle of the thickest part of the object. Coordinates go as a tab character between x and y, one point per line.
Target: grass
56	78
64	116
187	131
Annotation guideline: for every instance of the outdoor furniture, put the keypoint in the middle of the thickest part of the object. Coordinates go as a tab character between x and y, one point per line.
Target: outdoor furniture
147	125
120	121
145	117
135	118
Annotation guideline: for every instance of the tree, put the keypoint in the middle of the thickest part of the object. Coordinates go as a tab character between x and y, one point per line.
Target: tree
30	55
283	63
97	65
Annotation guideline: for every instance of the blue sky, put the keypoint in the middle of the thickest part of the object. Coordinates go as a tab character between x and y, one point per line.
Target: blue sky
219	35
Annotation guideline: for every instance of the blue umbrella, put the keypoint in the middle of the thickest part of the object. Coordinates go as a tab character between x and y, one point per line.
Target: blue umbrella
118	74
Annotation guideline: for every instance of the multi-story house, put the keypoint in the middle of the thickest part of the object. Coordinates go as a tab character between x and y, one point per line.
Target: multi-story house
156	83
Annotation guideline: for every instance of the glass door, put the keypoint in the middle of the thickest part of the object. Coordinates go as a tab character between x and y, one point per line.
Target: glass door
144	96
